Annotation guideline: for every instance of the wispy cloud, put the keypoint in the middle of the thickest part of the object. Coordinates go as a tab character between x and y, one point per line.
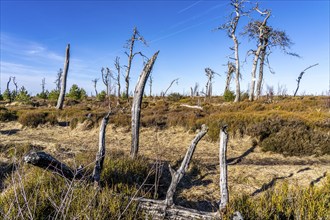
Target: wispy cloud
26	50
188	7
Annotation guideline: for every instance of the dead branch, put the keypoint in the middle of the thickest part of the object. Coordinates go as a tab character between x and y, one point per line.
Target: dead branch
192	106
173	81
177	175
300	76
223	169
101	153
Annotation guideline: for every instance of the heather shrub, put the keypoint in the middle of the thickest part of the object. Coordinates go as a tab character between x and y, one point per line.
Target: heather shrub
33	119
7	115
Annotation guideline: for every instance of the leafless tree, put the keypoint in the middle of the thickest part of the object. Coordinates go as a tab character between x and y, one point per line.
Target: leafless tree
194	91
230	71
60	100
267	38
210	75
136	106
15	84
263	31
94	81
117	78
300	76
58	79
172	82
43	83
230	26
131	54
106	78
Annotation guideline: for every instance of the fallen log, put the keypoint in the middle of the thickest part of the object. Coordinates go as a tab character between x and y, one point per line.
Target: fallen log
46	161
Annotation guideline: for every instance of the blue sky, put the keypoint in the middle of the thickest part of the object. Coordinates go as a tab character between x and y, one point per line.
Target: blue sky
34	35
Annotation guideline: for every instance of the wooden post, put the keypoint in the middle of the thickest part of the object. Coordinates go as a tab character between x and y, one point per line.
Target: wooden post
136	106
223	169
64	77
177	175
101	153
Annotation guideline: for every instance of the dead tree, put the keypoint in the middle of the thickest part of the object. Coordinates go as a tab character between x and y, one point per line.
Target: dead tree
210	75
131	54
136	106
94	81
263	34
300	76
150	85
172	82
8	90
177	175
60	100
230	71
106	78
16	85
231	27
43	83
117	78
224	199
101	153
58	79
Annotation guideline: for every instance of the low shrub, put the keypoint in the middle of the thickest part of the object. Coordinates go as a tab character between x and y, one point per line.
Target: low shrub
33	119
174	97
229	96
7	115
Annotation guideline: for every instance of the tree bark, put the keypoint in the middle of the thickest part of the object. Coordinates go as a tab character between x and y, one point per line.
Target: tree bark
261	72
64	77
101	153
223	170
231	69
237	68
46	161
177	175
136	106
253	73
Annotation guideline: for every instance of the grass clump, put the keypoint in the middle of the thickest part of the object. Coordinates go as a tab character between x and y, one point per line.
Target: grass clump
284	202
33	119
7	115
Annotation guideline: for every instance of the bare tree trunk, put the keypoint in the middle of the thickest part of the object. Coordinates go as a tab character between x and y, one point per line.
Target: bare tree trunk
237	68
177	175
64	77
300	76
130	58
223	170
95	85
253	73
101	153
261	72
136	106
118	68
231	69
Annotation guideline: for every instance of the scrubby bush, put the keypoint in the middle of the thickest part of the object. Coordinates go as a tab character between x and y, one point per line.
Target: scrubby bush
7	115
7	96
101	96
53	95
43	95
76	93
1	97
229	96
22	95
174	97
33	119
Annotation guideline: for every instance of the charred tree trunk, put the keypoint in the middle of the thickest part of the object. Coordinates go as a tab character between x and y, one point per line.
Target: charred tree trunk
136	106
224	199
46	161
177	175
60	100
101	153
